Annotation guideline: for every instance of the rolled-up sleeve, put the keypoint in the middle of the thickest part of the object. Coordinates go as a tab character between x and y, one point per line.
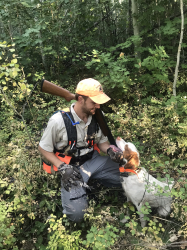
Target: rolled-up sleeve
103	139
100	138
50	136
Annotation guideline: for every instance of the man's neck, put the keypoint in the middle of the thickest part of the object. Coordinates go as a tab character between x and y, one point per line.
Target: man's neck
83	116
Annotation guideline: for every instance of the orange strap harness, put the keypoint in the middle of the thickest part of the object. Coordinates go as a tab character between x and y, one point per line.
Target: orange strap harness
64	158
123	170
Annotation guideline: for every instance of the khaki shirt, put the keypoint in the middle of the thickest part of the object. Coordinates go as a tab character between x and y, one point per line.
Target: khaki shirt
55	134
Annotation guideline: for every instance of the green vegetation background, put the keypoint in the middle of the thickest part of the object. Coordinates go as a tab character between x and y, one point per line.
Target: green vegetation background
66	41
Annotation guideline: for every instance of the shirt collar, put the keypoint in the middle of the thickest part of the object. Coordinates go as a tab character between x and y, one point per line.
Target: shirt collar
77	118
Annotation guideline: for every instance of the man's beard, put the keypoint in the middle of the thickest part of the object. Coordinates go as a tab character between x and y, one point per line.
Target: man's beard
87	111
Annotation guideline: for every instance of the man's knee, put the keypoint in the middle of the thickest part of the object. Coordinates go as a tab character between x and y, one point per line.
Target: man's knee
77	215
76	209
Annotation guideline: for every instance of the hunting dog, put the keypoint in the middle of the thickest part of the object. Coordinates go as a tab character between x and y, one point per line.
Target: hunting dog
139	186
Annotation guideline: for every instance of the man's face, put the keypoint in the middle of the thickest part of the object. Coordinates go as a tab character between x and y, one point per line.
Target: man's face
89	106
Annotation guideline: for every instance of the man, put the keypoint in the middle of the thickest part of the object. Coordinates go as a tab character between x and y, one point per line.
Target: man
74	150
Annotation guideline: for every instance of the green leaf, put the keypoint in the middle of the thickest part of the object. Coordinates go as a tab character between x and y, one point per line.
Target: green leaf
14	61
23	86
133	232
25	3
42	203
98	244
13	73
90	235
132	208
84	242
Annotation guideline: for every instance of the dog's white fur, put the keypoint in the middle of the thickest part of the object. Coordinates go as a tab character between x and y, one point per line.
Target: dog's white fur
144	187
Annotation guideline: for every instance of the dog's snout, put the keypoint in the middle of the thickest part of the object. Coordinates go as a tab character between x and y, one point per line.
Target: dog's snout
124	161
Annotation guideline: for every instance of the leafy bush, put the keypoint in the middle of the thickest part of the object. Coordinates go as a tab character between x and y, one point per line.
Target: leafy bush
101	238
61	238
7	228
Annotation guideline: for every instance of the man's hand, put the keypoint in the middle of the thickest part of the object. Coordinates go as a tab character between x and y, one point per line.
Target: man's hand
70	176
116	155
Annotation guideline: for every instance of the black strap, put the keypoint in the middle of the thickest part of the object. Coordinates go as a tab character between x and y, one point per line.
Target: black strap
93	127
71	130
104	127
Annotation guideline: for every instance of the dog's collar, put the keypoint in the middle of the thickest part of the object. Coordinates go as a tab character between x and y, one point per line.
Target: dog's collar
129	171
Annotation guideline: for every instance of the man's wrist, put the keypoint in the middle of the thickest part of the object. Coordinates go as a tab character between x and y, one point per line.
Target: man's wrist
108	150
64	166
61	165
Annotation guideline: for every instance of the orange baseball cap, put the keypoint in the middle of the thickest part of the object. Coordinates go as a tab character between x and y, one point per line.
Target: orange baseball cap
93	89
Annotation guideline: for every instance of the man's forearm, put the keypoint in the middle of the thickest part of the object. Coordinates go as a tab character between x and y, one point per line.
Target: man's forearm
50	156
104	146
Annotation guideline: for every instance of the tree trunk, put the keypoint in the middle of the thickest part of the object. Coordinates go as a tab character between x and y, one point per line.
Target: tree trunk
179	49
135	27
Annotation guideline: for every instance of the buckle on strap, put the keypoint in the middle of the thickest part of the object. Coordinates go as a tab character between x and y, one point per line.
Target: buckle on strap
90	143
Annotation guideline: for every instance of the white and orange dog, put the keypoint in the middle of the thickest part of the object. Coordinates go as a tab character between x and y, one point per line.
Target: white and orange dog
139	186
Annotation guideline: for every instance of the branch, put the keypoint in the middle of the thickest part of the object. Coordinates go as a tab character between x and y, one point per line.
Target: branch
179	49
102	19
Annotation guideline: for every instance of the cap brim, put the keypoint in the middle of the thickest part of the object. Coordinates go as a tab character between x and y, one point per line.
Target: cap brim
100	99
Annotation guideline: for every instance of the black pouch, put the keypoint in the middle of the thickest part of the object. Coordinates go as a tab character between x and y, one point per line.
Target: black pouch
80	160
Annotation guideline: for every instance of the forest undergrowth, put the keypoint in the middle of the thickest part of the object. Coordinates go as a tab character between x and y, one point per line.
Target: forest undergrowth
143	110
30	204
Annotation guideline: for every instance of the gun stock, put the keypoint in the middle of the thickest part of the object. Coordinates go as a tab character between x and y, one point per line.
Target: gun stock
50	88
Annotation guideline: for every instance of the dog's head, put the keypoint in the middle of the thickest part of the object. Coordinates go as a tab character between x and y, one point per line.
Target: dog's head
130	153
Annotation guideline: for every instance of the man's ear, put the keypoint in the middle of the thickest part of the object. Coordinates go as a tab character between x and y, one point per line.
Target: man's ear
80	99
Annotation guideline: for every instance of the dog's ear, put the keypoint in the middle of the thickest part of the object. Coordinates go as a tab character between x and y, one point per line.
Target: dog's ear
133	161
127	153
126	147
136	159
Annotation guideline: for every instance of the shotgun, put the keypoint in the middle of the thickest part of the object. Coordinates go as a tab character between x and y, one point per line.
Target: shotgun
50	88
